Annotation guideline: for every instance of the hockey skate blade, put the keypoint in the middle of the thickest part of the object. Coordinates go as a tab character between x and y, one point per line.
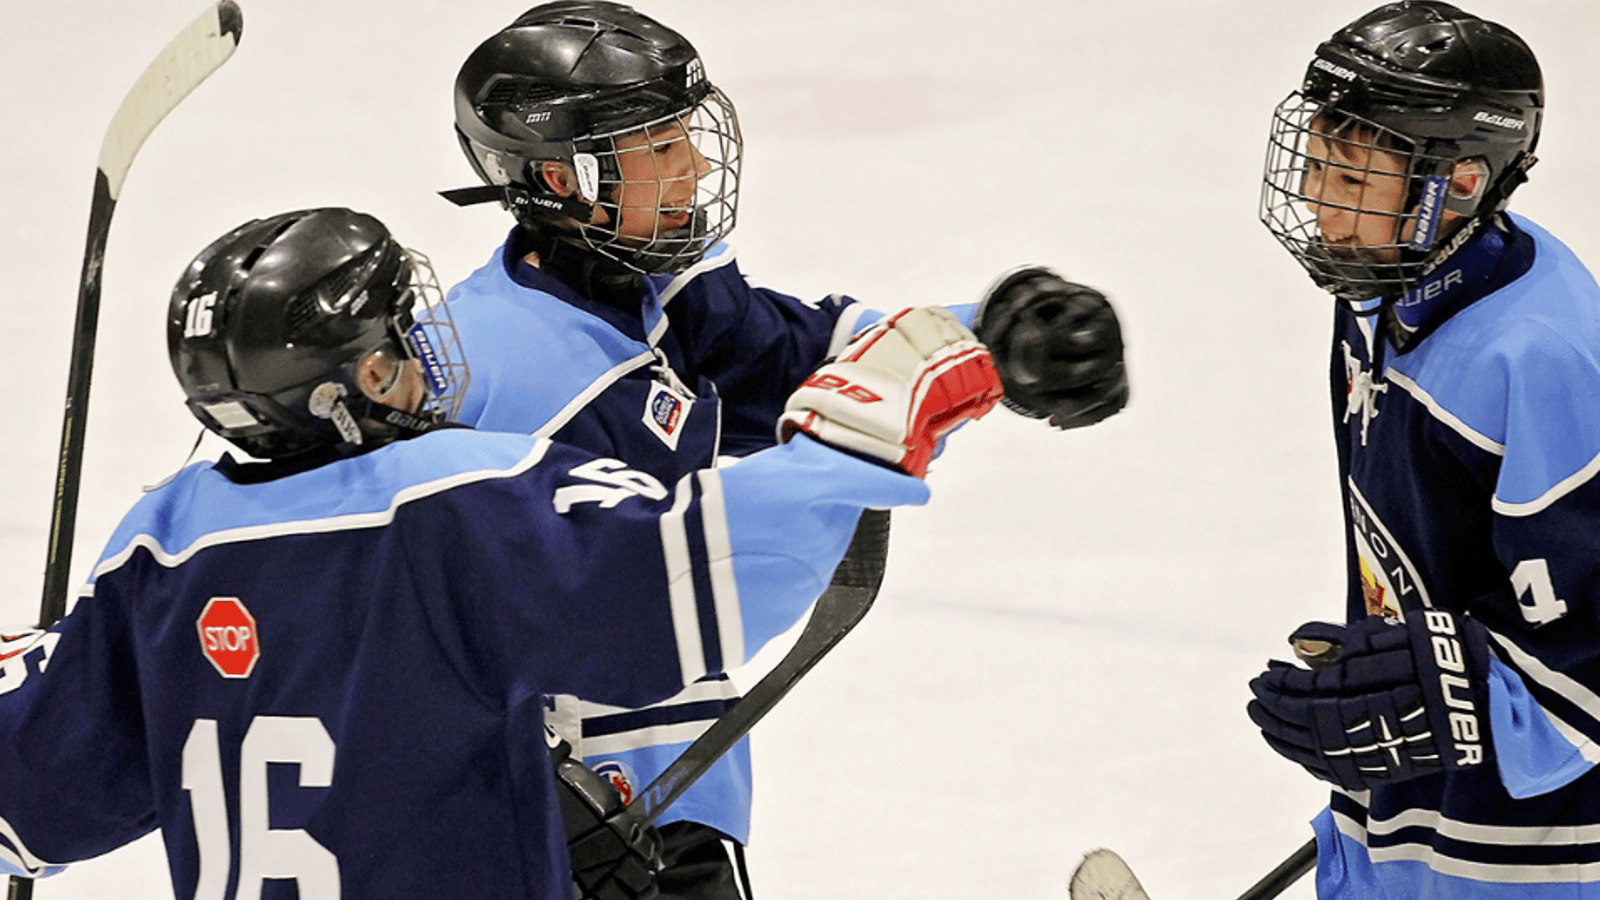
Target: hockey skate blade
1103	875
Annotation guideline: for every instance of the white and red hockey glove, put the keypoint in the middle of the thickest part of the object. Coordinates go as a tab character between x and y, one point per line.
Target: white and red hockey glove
898	388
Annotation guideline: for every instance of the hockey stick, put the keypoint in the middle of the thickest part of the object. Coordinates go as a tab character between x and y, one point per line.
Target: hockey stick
190	58
849	595
1103	875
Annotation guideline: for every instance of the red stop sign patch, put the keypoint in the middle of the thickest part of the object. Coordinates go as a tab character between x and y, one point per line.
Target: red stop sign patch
228	637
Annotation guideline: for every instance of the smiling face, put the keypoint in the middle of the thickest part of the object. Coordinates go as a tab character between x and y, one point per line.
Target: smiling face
1357	192
660	170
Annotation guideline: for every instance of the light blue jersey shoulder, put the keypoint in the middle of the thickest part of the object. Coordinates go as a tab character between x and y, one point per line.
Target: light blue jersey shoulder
201	507
1515	374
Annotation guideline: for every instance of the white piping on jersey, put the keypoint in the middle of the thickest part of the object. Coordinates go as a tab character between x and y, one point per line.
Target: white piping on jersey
1481	441
682	279
1557	491
595	389
658	329
1478	833
680	584
596	749
1491	835
1560	684
695	692
350	522
1489	445
592	748
22	862
680	581
719	558
845	328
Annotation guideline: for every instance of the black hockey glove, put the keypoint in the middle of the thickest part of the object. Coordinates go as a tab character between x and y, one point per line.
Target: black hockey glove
615	853
1385	701
1057	345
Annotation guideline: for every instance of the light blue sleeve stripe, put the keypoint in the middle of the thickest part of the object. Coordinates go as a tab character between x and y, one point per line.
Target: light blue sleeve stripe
782	561
1534	758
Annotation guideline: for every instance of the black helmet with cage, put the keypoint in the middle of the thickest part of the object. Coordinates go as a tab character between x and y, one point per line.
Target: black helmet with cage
268	324
562	84
1431	86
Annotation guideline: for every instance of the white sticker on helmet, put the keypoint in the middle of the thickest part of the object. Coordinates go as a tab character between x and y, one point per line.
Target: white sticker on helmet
230	414
588	169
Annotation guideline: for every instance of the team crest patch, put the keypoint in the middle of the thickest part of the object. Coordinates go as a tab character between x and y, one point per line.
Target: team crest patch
1389	581
665	412
619	776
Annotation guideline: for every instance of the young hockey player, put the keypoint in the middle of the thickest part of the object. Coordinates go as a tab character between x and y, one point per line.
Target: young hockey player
614	317
328	665
1457	712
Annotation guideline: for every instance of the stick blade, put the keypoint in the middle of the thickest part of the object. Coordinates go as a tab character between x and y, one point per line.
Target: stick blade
187	60
1103	875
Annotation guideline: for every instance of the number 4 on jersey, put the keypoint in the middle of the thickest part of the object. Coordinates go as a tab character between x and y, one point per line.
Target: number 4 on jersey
1536	592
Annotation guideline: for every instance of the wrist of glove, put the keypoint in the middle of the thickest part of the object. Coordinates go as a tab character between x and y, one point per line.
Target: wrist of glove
896	390
1385	701
1057	346
615	853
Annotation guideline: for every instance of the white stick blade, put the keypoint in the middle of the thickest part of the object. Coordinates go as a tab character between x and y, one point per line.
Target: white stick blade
188	60
1104	876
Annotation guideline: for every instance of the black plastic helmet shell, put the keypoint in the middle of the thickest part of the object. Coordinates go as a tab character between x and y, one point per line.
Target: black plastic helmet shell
1438	75
277	307
566	70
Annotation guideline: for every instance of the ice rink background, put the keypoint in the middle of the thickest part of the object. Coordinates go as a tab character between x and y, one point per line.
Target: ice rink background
1059	655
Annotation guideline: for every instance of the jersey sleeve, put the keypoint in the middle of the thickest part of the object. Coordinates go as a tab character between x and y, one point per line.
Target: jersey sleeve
74	778
1546	524
756	344
617	588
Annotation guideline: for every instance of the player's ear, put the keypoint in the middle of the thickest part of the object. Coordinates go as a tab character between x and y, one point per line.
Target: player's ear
377	374
559	177
1468	179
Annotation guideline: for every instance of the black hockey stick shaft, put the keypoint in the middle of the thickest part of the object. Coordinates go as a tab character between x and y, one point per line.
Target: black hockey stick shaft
186	61
1288	872
69	464
848	597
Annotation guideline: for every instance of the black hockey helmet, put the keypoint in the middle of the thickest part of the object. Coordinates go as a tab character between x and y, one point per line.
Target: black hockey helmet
267	325
1430	84
561	84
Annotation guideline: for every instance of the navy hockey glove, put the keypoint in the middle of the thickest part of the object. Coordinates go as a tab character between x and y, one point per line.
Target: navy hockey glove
1058	347
897	389
616	853
1385	700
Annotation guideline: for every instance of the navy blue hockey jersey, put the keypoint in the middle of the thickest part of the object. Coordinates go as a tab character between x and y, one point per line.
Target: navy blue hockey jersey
329	684
1468	464
701	370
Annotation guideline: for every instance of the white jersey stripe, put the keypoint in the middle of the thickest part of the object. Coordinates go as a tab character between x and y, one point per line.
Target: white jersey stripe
680	584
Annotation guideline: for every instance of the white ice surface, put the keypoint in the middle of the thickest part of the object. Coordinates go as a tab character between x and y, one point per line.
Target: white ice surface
1059	656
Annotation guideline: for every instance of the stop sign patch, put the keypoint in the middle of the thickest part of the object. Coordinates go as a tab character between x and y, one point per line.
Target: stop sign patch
228	637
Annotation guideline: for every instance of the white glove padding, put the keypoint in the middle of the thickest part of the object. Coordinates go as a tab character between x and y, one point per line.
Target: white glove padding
898	388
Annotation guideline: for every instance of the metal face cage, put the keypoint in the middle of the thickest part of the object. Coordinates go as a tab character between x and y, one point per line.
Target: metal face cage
678	173
1358	205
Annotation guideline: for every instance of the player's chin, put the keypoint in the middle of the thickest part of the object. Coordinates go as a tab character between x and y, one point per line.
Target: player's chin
1346	252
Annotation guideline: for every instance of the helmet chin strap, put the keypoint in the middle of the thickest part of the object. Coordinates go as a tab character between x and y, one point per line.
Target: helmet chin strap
380	423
